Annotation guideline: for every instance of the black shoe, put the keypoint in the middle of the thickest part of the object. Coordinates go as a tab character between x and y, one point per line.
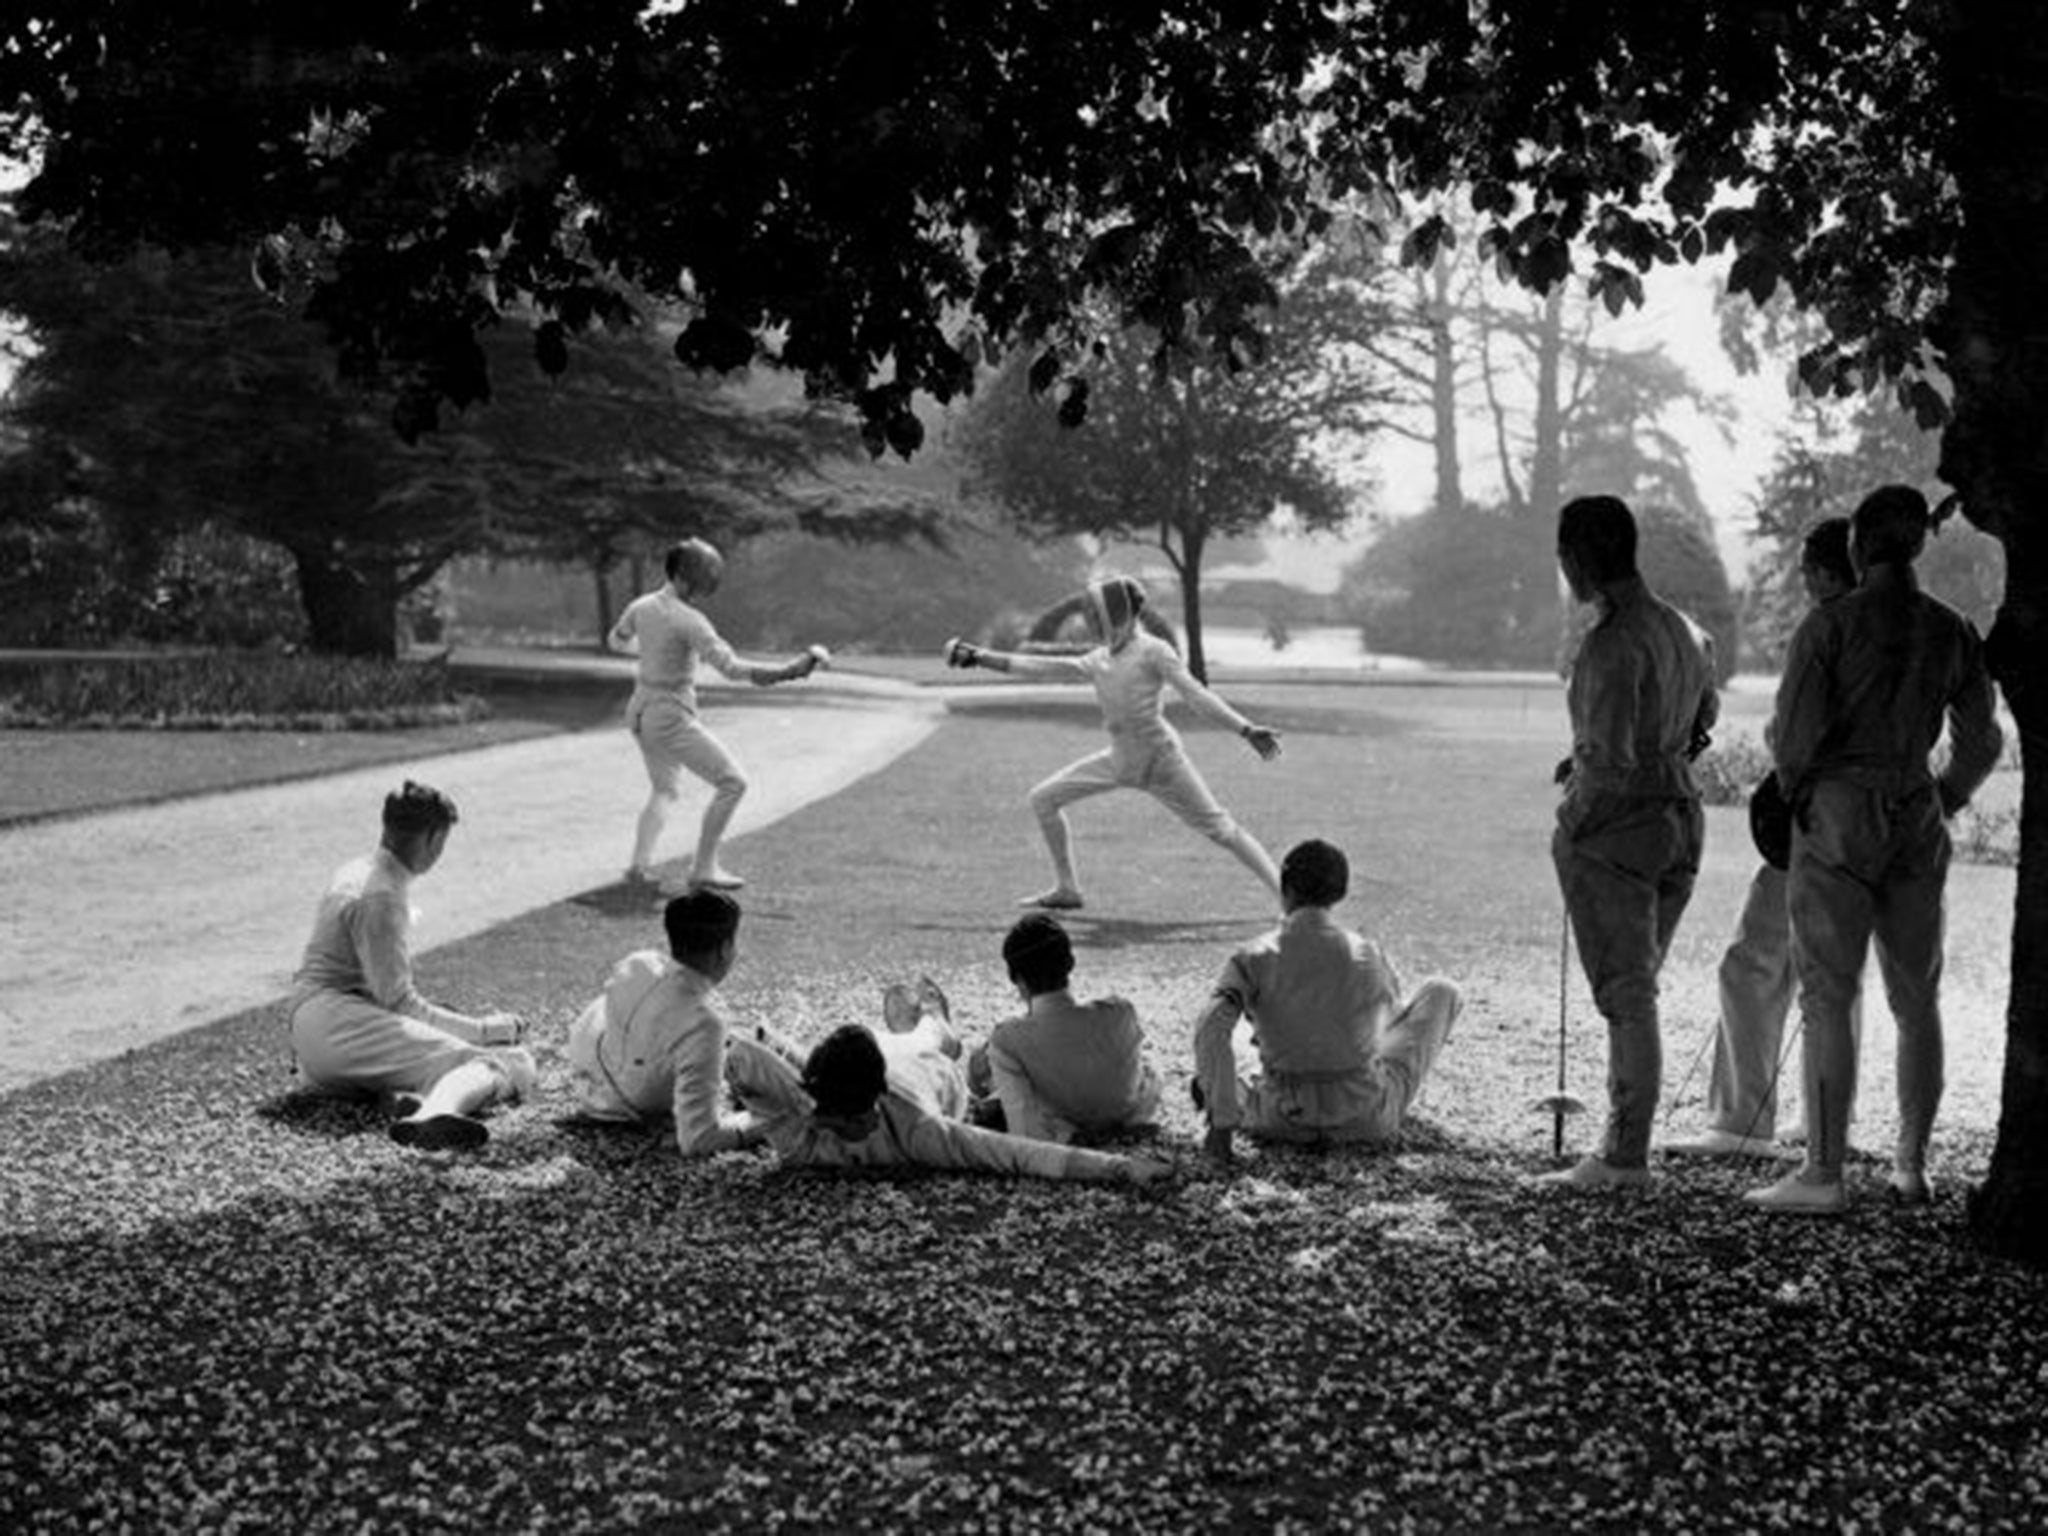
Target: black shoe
440	1133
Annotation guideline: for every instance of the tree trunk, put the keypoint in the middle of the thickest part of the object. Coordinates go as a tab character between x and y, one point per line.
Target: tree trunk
1538	612
601	575
2008	1213
1192	540
1994	340
348	613
1443	390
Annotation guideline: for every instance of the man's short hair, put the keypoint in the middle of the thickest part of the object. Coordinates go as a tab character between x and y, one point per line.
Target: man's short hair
1826	548
1601	532
699	922
414	809
1890	525
845	1072
1039	953
696	561
1316	872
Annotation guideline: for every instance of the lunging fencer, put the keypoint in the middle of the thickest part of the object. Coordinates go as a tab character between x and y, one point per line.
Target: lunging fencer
1130	669
671	636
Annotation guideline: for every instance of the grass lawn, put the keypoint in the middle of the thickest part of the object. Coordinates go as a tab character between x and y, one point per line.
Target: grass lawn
226	1306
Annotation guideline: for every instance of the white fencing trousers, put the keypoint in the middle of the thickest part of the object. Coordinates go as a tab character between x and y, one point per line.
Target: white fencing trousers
1165	773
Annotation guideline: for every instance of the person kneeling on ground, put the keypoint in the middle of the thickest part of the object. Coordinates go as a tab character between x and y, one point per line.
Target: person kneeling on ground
359	1025
1063	1067
653	1046
1333	1054
868	1100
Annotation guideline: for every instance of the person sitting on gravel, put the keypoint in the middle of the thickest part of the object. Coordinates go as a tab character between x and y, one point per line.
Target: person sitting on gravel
1062	1067
360	1026
652	1047
863	1099
1333	1053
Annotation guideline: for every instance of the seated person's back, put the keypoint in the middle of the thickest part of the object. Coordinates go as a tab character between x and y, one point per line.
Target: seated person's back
653	1046
1064	1065
1332	1052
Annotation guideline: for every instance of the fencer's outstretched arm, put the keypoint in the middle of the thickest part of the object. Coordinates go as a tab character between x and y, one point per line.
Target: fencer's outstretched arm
960	653
1207	702
765	674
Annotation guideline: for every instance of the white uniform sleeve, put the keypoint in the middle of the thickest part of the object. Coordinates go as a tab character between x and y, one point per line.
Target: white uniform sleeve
1215	1047
1058	669
698	1074
937	1143
627	630
1204	701
713	650
380	926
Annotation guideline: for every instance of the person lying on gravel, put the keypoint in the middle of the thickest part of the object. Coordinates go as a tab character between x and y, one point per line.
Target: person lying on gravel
1061	1068
894	1099
360	1026
653	1047
1333	1053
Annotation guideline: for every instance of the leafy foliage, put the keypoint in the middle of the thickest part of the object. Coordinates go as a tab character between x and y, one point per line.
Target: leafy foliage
1454	588
1182	454
1876	445
1448	587
1682	564
165	396
65	581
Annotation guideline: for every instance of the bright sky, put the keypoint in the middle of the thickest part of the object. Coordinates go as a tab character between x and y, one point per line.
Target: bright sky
1678	313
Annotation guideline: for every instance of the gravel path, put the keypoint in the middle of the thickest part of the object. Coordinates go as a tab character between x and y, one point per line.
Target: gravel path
122	928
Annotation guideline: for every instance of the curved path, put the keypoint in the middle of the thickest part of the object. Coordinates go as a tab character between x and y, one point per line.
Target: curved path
128	926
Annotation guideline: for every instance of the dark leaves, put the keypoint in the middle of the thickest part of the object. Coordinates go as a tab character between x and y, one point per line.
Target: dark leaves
1045	371
1073	408
1929	407
551	348
1426	239
715	342
1615	287
1755	272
